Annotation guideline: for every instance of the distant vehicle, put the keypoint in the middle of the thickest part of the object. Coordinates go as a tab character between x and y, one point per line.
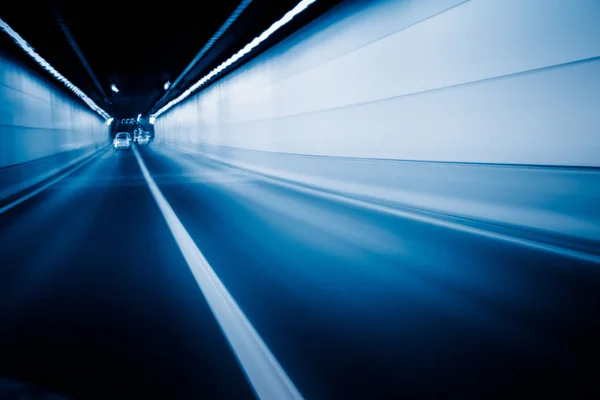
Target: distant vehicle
122	141
144	138
136	135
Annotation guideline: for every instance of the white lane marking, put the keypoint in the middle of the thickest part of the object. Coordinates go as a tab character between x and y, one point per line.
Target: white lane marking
389	210
267	377
50	183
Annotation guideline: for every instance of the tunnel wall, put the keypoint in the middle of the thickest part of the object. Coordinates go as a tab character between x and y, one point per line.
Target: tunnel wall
484	109
494	81
41	130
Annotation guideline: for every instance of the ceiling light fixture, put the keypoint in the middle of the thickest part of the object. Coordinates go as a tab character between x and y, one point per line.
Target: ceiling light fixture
167	85
44	64
114	88
207	46
303	5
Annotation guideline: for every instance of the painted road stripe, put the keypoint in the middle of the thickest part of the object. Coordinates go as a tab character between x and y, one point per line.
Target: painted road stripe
267	377
52	182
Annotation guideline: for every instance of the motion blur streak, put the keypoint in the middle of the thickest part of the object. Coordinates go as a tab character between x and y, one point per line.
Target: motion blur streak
264	372
397	200
359	200
77	164
44	64
353	303
301	6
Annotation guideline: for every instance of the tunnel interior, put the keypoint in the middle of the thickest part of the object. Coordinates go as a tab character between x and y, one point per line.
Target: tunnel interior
315	199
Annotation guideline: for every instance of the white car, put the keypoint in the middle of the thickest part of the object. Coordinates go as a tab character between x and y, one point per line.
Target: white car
122	141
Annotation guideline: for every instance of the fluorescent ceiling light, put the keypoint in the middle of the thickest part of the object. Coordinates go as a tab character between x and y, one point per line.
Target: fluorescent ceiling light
303	5
44	64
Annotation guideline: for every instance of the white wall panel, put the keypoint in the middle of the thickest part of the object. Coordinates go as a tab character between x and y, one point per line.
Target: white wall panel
36	121
474	81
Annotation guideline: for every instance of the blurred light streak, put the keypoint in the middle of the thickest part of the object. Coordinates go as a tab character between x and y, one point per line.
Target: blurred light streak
44	64
86	160
303	5
232	18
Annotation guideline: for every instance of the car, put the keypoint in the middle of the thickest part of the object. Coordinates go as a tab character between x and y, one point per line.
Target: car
143	139
136	135
122	141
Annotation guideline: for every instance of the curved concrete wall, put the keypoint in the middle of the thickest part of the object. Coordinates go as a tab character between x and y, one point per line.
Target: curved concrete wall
487	81
36	121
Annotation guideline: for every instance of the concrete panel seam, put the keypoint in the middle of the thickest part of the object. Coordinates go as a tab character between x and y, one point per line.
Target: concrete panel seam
252	64
426	91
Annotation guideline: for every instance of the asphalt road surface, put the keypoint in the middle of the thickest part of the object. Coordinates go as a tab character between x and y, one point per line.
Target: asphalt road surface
98	301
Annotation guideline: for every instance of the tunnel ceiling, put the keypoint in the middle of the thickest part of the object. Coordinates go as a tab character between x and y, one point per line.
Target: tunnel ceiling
140	48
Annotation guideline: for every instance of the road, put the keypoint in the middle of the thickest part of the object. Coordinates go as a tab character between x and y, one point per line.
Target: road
97	300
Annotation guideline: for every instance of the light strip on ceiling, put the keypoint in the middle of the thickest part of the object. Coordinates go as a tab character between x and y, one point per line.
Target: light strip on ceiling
44	64
303	5
232	18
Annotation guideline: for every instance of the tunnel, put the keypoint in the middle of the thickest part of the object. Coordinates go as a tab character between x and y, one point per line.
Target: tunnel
300	199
